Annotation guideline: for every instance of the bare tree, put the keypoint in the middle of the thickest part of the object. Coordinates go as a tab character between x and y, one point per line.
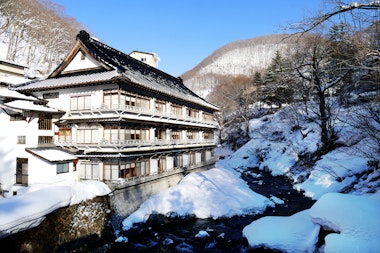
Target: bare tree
312	23
36	32
350	56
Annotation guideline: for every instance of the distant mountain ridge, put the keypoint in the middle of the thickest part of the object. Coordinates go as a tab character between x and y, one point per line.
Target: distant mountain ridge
239	58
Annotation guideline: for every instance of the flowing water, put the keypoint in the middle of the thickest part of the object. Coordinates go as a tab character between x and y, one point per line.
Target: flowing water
162	234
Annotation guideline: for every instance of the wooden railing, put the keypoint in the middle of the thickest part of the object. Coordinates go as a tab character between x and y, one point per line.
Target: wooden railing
121	108
133	143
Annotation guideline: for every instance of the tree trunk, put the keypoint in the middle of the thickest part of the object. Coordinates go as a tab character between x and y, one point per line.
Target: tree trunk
324	119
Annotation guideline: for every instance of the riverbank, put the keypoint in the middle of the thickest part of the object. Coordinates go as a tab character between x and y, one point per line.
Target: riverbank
163	234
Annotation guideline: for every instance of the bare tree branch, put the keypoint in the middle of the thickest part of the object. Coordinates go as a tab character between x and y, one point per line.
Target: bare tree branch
316	21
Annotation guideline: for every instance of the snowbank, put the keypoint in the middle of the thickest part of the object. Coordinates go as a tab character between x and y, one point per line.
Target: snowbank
296	233
28	210
214	193
333	173
355	219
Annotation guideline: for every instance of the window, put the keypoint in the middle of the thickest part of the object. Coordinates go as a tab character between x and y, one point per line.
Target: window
21	139
82	56
111	134
176	110
50	95
64	134
191	135
62	168
45	124
176	135
45	139
17	117
111	171
135	100
159	134
161	165
89	171
142	102
22	171
117	134
160	106
80	103
143	168
87	136
208	116
111	98
208	135
178	161
192	113
192	158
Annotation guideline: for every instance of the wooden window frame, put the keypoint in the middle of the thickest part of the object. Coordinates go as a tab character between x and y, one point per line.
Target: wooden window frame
21	139
63	168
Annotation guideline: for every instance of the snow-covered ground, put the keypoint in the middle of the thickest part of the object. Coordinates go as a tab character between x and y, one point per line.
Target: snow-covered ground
210	194
353	216
28	209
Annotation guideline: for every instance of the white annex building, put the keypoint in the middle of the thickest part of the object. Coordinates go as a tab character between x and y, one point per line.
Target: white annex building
104	115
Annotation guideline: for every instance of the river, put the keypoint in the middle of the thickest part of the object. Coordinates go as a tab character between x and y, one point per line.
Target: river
162	234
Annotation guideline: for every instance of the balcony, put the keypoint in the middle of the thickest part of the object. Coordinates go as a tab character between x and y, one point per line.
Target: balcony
122	110
126	145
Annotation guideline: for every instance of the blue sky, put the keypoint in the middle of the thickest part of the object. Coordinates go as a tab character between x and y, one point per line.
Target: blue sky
184	32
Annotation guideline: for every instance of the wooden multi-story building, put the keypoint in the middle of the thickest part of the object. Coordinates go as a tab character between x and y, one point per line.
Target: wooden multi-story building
124	118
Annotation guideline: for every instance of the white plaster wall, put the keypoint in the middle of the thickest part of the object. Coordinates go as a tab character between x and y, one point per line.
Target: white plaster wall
198	157
77	63
169	163
186	160
43	172
153	166
151	60
10	150
208	155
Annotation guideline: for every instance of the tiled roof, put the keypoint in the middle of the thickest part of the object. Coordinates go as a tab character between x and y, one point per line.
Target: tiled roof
123	66
67	81
5	93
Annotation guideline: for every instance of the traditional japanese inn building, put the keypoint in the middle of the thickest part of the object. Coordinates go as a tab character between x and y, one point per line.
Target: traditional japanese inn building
122	117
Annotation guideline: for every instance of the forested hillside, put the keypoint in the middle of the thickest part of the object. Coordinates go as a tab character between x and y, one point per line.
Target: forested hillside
35	33
328	70
236	60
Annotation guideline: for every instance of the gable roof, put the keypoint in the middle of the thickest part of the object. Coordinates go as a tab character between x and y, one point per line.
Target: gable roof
116	66
52	155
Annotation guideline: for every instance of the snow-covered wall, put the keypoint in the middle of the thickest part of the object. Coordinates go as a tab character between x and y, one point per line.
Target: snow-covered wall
43	172
10	150
15	137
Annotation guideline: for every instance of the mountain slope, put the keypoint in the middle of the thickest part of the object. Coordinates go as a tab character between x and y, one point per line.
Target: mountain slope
239	58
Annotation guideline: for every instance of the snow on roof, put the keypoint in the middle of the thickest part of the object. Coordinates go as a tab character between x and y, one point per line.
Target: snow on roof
52	155
165	86
124	66
7	93
27	210
66	81
14	80
13	63
29	106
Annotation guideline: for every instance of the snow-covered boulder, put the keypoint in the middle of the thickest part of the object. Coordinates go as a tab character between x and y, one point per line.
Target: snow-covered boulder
355	219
